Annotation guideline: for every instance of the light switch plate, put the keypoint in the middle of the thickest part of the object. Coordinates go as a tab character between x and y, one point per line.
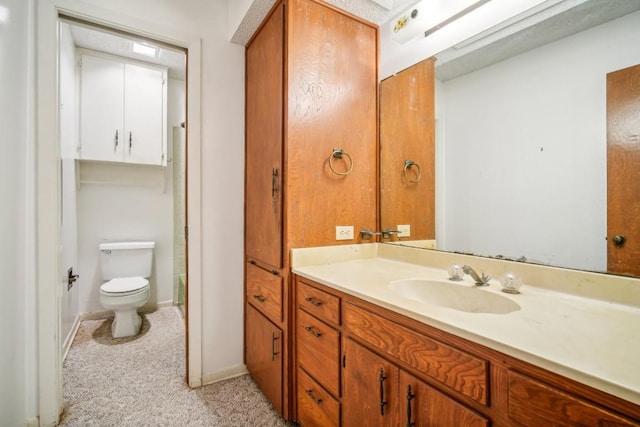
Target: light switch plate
344	232
404	230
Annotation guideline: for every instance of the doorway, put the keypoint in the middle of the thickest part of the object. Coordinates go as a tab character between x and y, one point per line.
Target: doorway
49	181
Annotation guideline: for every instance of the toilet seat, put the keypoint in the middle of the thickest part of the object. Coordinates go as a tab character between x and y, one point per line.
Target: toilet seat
123	286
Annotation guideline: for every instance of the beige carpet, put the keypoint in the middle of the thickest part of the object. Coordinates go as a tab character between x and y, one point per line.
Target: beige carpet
139	381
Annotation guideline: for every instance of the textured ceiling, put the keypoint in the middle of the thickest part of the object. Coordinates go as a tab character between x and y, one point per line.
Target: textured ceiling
369	10
547	23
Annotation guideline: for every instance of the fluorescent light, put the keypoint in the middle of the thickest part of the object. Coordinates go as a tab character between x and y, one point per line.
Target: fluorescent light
429	16
144	49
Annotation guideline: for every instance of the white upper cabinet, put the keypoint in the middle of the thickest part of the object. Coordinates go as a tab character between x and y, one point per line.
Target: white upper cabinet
122	111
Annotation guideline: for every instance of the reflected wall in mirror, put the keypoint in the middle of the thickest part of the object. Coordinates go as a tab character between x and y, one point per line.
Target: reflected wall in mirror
524	144
407	153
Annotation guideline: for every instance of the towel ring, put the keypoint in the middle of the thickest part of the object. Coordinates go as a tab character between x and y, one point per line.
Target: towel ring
339	153
407	165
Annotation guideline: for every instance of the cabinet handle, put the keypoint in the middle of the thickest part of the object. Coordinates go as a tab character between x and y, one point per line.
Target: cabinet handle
313	301
410	397
312	331
260	298
116	141
274	183
315	399
130	141
274	353
383	402
252	262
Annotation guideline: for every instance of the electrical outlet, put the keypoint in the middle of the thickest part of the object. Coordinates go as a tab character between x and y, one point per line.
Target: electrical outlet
344	232
404	230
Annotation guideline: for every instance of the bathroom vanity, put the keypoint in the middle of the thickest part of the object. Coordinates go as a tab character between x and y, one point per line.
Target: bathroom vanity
367	354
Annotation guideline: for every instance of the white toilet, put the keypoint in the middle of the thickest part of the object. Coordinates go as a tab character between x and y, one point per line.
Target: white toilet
125	269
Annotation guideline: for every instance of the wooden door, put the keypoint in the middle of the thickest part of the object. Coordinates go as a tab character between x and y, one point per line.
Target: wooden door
101	109
264	123
144	112
426	406
623	171
263	355
407	122
370	396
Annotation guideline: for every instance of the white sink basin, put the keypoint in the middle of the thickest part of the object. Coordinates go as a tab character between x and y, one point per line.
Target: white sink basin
461	297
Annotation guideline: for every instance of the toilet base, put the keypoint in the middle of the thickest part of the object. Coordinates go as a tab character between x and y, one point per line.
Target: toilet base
126	324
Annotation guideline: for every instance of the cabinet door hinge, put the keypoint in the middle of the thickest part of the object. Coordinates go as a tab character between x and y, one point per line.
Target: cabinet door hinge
186	232
344	360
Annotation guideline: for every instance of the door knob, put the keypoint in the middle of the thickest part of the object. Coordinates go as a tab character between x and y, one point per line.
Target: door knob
619	240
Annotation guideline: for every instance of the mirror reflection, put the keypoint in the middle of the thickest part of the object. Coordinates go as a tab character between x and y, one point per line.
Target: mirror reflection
523	134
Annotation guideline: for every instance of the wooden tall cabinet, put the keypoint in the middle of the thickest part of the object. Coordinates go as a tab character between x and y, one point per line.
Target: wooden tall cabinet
311	87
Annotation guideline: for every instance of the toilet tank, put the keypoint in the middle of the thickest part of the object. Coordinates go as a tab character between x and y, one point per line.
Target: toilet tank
126	259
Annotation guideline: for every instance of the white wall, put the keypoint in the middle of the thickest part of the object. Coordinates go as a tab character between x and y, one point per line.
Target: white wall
68	143
17	227
222	172
525	150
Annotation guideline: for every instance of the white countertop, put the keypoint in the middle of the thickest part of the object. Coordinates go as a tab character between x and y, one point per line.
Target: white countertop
589	340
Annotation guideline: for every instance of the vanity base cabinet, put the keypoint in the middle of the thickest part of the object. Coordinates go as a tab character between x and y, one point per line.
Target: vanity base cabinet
397	371
263	355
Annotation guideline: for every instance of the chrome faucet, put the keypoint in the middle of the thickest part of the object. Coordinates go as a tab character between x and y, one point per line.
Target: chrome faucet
480	280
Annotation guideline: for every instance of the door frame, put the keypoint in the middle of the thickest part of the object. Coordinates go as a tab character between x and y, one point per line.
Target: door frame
49	357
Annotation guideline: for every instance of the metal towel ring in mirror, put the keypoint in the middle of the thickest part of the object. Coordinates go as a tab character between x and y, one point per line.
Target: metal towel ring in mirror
407	165
339	153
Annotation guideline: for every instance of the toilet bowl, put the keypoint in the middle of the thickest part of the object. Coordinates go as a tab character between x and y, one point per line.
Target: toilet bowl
124	296
125	269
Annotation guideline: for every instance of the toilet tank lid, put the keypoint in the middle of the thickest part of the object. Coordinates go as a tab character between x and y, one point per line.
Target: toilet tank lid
126	245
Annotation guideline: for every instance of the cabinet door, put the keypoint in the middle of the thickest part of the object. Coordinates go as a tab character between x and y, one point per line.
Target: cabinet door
370	395
145	131
426	406
263	355
101	109
264	116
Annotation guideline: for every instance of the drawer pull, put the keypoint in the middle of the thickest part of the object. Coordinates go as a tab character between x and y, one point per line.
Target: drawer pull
312	331
313	301
383	402
274	350
410	397
315	399
260	298
252	262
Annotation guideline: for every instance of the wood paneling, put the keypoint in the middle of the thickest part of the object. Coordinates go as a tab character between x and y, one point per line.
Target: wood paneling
316	407
459	370
535	404
331	103
263	355
623	170
264	133
407	122
428	407
319	303
369	399
319	351
264	291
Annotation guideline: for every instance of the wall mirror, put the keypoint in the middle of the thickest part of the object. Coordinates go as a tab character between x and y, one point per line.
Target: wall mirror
521	140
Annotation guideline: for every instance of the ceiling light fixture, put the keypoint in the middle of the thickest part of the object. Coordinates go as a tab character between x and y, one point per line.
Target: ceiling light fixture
144	49
429	16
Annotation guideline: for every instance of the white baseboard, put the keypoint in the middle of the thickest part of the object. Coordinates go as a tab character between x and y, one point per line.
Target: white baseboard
70	337
224	374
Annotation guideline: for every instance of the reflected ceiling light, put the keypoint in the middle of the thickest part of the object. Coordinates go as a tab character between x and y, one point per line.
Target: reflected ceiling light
144	49
4	14
429	16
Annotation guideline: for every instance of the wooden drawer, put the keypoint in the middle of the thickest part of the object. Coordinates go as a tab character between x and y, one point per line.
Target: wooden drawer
316	407
319	303
534	404
319	351
264	291
461	371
